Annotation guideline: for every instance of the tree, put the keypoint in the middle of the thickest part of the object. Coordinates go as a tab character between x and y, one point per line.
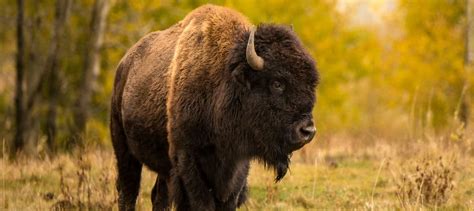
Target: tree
19	140
426	63
61	15
28	89
464	111
470	33
91	69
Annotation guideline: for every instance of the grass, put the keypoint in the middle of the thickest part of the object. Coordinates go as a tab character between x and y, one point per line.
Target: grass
331	179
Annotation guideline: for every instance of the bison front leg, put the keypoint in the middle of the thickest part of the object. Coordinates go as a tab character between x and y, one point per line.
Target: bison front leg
242	198
159	194
195	192
235	200
238	196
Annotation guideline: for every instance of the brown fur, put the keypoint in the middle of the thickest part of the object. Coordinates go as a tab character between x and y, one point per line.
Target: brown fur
188	106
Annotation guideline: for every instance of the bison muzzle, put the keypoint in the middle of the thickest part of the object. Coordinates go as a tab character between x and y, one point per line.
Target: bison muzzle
198	101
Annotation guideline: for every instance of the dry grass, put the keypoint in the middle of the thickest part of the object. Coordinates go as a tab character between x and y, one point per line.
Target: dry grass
430	182
65	182
380	176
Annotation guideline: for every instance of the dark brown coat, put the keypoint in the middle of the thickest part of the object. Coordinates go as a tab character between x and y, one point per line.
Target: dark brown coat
187	105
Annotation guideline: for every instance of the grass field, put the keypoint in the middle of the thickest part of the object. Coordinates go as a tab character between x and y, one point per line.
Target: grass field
375	178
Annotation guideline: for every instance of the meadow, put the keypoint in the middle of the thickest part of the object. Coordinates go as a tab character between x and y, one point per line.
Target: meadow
341	175
394	108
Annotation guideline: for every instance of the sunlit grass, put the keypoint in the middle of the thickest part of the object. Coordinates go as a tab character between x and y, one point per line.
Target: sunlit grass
330	181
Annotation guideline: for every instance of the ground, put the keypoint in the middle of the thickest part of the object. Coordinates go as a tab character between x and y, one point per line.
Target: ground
331	180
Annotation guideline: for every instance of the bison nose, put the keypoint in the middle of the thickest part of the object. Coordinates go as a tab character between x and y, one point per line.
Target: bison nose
306	131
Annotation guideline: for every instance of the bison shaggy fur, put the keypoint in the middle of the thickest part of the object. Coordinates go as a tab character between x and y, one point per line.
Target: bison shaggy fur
188	104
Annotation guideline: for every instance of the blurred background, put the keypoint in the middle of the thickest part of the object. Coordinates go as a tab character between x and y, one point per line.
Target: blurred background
391	70
395	73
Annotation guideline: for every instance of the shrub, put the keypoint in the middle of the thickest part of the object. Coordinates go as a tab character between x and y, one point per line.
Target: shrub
430	182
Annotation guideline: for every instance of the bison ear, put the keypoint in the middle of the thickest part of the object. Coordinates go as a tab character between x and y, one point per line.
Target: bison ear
239	76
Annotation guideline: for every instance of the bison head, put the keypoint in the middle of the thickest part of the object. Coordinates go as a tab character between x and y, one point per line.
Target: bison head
277	80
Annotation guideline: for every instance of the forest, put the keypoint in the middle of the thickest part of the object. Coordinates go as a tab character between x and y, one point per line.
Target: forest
394	106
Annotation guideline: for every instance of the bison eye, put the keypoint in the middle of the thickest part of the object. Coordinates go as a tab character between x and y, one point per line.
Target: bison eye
277	86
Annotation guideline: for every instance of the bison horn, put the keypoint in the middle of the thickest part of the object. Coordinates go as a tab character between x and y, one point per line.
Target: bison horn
255	61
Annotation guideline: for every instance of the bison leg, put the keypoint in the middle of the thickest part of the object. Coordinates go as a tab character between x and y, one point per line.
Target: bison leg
242	195
159	194
129	168
188	191
236	199
128	182
178	195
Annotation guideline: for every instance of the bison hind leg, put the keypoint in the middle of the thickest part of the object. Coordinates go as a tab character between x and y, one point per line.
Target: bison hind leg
128	182
159	194
129	168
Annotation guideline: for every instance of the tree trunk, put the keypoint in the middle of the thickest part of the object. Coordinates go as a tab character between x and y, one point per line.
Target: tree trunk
91	69
464	110
61	15
470	33
19	140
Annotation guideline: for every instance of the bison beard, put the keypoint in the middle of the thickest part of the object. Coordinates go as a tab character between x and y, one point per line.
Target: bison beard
198	101
281	168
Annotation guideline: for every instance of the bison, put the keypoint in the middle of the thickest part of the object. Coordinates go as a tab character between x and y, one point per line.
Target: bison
198	101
